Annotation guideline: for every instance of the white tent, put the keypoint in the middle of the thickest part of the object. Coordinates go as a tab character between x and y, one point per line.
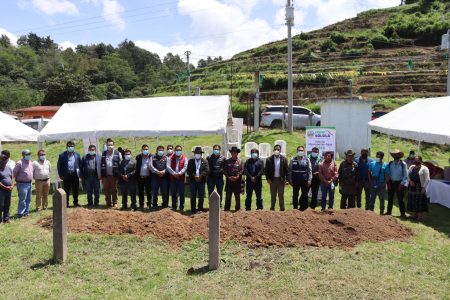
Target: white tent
423	120
12	130
140	117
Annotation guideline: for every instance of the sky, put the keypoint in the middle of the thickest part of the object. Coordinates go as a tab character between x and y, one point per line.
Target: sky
204	27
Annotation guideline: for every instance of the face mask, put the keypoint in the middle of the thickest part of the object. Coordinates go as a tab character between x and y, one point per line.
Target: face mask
70	149
42	157
216	151
276	152
314	154
27	157
145	152
254	155
364	155
377	159
300	153
160	153
170	151
178	152
91	152
197	156
127	157
110	148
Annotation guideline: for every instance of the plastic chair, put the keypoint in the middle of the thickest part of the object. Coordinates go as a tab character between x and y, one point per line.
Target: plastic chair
208	151
248	147
283	145
264	151
233	138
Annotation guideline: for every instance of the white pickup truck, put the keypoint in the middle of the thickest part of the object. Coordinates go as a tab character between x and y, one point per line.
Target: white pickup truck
272	116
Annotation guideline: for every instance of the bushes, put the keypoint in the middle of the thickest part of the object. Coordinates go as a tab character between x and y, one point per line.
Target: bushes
338	37
328	45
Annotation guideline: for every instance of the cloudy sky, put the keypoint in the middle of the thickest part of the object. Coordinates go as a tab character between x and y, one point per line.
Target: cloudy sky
205	27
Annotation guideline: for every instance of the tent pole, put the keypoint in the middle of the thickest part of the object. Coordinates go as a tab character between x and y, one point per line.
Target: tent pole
418	147
184	144
389	148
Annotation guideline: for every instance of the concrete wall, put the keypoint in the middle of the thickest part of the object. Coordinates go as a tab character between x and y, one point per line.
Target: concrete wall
350	117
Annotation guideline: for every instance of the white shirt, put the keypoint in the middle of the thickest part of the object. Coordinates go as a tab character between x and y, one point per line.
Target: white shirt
198	164
277	167
11	164
145	171
41	171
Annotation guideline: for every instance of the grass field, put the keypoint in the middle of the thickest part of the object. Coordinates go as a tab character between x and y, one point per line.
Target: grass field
129	267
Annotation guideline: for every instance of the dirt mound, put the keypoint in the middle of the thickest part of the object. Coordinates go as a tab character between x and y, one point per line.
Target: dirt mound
334	229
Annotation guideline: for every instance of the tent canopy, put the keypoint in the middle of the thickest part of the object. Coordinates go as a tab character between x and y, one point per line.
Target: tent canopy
12	130
424	120
140	117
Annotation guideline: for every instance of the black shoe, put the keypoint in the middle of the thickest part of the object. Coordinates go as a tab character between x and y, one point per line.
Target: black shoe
76	205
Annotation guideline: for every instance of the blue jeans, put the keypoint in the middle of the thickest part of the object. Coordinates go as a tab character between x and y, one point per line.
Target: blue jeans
249	188
216	183
377	190
197	188
177	189
24	191
128	188
326	189
5	204
92	187
159	183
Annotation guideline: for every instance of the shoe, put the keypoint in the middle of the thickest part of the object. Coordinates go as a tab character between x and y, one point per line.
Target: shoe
6	221
76	205
38	209
403	215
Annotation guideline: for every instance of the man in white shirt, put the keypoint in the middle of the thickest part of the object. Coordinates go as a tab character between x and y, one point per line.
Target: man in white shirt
42	171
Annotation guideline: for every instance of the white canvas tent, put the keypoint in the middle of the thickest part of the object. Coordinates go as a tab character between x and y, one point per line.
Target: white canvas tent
12	130
140	117
423	120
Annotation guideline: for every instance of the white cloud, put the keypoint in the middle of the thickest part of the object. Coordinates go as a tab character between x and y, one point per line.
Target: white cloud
67	44
52	7
12	36
112	12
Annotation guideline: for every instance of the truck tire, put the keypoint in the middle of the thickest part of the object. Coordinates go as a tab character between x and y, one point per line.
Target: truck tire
276	124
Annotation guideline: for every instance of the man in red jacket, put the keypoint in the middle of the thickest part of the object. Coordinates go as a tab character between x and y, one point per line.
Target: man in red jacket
177	169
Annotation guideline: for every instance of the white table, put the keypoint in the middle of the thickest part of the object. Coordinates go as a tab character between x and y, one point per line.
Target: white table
439	192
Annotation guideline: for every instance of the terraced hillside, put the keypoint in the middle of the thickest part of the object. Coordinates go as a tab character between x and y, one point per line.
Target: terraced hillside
388	53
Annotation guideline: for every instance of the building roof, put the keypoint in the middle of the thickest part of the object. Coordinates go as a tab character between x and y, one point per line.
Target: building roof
38	108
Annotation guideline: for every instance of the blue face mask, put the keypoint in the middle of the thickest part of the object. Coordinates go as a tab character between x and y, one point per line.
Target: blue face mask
42	157
91	152
27	157
127	157
160	153
145	152
70	149
314	154
178	152
254	155
216	151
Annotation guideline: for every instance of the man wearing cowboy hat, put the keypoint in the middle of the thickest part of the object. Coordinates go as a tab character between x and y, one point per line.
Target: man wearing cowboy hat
397	181
233	173
348	180
197	170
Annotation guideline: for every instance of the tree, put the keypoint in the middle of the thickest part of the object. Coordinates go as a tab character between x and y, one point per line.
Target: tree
5	41
67	88
118	70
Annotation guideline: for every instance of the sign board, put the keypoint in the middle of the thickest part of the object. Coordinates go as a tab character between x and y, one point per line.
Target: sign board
323	138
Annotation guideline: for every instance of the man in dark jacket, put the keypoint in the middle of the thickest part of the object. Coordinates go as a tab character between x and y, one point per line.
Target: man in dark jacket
90	174
109	170
348	180
215	176
254	170
300	177
143	176
315	182
277	175
127	180
158	167
68	165
197	171
233	170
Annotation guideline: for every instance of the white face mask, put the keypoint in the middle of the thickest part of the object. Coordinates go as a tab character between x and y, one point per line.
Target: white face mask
300	153
170	151
197	156
127	157
276	152
377	159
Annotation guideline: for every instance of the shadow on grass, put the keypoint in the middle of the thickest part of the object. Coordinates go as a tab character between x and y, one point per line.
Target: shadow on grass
438	218
198	271
43	264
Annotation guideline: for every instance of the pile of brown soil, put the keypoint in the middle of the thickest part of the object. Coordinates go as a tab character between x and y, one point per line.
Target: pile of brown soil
334	229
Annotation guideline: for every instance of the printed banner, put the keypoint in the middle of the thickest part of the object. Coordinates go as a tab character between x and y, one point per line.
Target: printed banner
323	138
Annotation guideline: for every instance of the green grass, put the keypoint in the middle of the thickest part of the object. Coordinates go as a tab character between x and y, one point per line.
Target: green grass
118	267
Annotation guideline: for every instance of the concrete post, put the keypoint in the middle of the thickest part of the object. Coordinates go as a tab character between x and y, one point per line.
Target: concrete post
214	231
60	226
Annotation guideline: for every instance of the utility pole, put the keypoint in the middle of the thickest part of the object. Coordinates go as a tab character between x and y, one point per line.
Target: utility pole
187	53
256	109
448	62
350	86
290	23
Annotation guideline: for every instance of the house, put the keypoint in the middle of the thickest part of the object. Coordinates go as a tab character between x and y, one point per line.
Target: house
36	112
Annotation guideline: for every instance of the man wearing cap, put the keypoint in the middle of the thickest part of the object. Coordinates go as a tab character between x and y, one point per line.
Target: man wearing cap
23	174
363	162
42	172
348	180
277	176
90	174
197	171
377	179
215	177
397	181
315	182
233	171
68	165
6	186
177	166
143	177
300	177
158	167
254	170
410	160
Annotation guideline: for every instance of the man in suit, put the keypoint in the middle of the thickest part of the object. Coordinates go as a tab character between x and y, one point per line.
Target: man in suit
144	176
68	165
197	171
277	175
254	170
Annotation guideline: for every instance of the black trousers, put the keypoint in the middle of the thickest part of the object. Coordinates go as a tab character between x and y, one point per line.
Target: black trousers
144	185
233	188
351	201
394	189
315	185
71	182
296	186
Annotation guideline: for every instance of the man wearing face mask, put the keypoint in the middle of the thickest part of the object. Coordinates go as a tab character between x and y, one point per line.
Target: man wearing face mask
363	162
109	170
300	177
348	180
410	160
170	153
197	171
377	179
328	174
397	182
23	174
143	176
215	177
254	170
315	182
68	165
42	170
6	186
177	166
90	174
277	176
127	179
158	167
233	170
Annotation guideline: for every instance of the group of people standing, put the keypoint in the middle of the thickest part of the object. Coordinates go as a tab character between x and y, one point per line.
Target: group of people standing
146	176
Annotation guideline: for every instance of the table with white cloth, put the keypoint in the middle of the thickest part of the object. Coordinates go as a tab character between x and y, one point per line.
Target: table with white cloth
439	192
